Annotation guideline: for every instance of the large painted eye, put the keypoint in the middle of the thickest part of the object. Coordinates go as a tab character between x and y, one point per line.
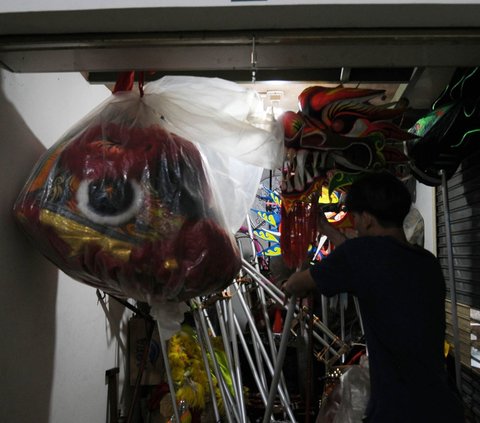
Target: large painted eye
109	201
344	124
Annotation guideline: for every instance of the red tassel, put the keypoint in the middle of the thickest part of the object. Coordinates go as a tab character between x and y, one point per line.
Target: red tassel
299	230
125	81
278	322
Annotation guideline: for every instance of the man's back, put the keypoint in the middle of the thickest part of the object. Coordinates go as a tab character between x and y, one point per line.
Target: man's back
401	292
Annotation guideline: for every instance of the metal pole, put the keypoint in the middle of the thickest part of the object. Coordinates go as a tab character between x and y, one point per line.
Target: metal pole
359	314
226	337
168	370
268	328
194	307
263	305
280	358
277	295
256	339
324	301
261	387
227	400
236	369
240	292
343	305
263	351
451	277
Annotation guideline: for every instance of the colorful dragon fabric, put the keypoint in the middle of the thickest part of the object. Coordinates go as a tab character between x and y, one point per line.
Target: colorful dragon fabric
335	136
122	204
450	132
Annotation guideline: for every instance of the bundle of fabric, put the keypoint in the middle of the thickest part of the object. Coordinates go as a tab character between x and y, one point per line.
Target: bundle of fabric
450	132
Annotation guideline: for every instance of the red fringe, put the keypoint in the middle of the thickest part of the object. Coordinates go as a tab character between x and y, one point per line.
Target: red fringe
299	231
124	81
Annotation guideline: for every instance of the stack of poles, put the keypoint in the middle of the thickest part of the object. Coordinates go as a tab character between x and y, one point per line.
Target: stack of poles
264	360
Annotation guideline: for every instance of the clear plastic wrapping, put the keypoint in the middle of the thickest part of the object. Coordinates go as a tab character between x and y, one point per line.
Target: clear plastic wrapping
347	401
126	203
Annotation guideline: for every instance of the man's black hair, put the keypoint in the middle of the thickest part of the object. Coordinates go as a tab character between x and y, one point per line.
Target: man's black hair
382	195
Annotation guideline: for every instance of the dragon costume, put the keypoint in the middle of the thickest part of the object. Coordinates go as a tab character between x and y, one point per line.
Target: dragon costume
450	132
337	134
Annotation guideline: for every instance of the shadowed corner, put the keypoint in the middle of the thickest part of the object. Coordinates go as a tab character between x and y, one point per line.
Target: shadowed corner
116	327
28	285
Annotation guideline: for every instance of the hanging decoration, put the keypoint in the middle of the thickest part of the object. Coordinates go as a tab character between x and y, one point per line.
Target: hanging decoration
337	134
132	200
188	370
272	217
450	132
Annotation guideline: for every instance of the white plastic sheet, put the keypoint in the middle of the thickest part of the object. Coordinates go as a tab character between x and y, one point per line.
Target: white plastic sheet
229	125
141	198
349	398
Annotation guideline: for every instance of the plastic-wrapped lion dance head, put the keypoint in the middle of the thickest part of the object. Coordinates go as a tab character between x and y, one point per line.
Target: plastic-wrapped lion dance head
124	205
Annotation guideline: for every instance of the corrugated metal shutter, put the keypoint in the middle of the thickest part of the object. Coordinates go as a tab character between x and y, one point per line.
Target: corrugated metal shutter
464	330
464	202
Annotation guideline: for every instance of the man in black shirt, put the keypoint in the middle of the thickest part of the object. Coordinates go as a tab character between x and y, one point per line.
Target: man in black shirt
401	292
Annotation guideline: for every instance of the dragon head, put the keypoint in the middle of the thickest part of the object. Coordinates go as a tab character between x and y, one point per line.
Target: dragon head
335	136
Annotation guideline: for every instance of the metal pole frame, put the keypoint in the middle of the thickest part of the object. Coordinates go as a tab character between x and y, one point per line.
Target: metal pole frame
280	359
168	370
278	296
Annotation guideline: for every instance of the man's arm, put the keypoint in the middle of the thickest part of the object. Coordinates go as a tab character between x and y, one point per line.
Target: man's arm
302	283
299	284
332	233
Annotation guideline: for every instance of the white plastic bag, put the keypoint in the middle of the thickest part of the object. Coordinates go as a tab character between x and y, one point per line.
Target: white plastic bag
228	124
348	400
141	197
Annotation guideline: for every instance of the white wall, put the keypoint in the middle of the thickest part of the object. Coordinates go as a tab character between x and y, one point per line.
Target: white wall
57	341
425	203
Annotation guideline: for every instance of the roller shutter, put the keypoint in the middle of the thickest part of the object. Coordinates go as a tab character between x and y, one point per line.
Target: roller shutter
464	204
